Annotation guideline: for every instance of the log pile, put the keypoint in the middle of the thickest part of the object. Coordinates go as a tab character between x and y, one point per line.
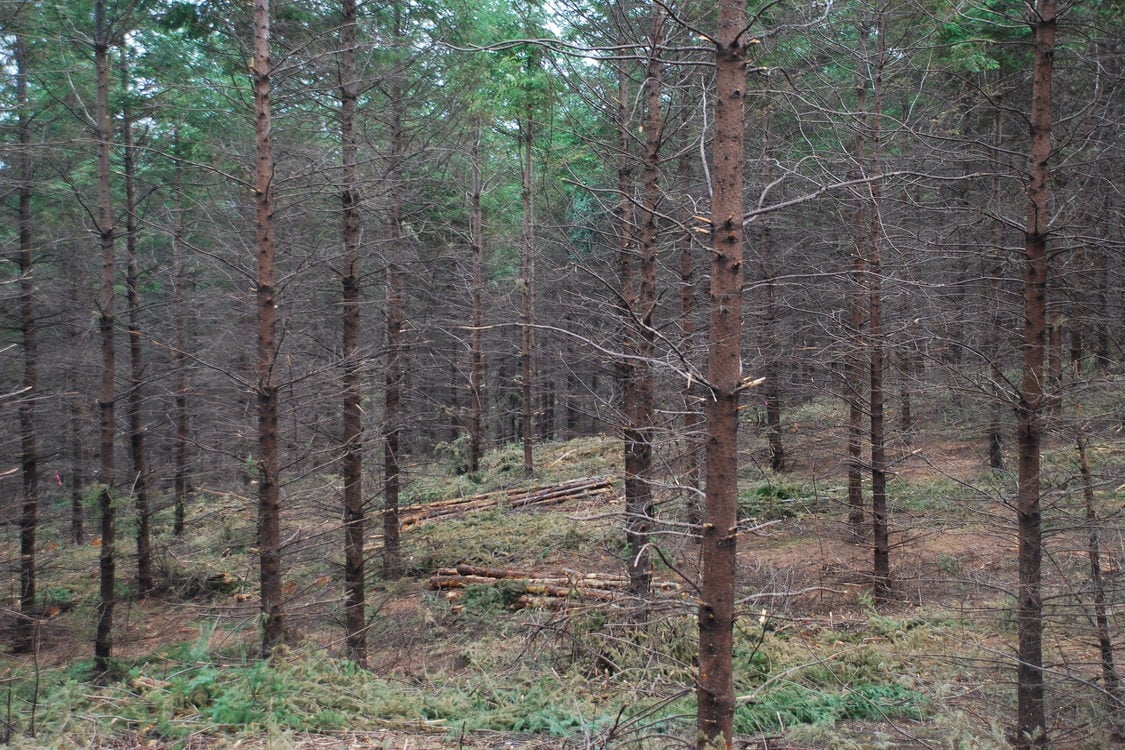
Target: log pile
554	494
543	590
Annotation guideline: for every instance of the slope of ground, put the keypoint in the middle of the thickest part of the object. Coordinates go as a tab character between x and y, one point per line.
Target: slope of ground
818	666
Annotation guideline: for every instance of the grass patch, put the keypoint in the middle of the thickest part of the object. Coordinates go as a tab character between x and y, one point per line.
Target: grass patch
790	705
773	499
939	497
179	692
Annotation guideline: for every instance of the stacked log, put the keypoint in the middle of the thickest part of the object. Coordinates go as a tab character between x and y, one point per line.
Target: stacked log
554	494
543	590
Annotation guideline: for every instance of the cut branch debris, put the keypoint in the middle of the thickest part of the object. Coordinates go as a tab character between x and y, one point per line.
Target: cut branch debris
552	590
554	494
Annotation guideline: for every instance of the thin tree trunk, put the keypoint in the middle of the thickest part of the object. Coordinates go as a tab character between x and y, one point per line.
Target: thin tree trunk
181	386
77	471
995	435
1031	712
692	416
854	363
29	458
882	559
1101	357
1110	680
351	432
476	335
103	638
628	366
772	385
139	477
395	317
1054	358
715	687
642	420
570	406
1076	350
527	294
906	421
547	409
269	461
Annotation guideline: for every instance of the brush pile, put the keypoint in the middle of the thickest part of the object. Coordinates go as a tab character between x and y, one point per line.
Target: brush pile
514	499
543	590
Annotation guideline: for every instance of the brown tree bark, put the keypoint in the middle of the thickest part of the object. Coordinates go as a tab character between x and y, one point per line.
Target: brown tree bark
273	621
572	396
180	283
771	388
527	291
904	359
692	416
77	468
1031	728
139	473
995	263
351	430
641	398
1110	680
395	316
29	451
1055	356
627	366
857	321
714	687
476	335
1077	350
880	537
1105	315
103	637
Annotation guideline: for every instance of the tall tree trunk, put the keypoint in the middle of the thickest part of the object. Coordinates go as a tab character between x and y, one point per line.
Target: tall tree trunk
1101	356
692	416
1110	680
269	460
527	292
351	431
476	335
1054	354
857	321
627	367
772	385
882	557
139	483
995	261
570	406
395	313
77	469
103	638
715	688
642	419
180	284
1031	712
29	458
547	409
1076	349
905	362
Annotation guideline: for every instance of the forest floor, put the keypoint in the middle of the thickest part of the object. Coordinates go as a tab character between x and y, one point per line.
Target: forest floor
818	663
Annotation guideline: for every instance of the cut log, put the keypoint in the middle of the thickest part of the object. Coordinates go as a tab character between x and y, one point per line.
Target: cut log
514	499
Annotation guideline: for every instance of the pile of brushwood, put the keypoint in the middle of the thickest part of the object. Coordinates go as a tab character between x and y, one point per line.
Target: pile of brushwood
514	499
546	590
